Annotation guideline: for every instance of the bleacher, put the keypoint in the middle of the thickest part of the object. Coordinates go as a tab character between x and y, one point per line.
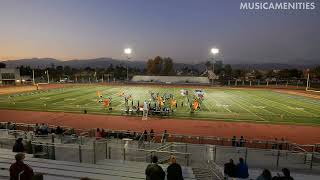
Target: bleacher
106	169
115	157
254	173
171	79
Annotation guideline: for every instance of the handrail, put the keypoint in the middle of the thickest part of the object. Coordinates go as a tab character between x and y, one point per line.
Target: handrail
37	143
212	169
295	146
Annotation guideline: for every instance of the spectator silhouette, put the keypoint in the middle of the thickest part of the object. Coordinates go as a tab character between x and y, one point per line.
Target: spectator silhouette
10	126
151	135
19	170
154	171
103	133
44	129
230	169
266	175
234	141
242	169
98	134
165	136
281	144
36	128
286	175
145	135
2	126
242	141
275	144
174	171
59	130
18	146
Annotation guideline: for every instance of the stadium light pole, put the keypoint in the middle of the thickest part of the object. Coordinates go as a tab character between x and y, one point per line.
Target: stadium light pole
308	79
33	77
213	51
127	52
47	73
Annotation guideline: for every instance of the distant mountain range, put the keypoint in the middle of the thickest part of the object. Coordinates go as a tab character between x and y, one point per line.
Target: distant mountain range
93	63
105	62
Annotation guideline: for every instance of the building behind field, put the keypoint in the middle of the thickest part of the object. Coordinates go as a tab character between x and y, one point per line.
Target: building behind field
9	76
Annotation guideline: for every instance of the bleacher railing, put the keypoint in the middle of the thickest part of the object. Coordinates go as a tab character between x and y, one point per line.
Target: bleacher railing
158	137
189	150
187	154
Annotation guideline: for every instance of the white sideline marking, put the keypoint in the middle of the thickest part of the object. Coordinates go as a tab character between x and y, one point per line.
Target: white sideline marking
45	98
70	99
225	106
258	107
222	105
296	108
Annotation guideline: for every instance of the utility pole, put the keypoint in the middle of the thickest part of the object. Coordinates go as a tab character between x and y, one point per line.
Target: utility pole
47	72
308	79
33	76
214	51
127	52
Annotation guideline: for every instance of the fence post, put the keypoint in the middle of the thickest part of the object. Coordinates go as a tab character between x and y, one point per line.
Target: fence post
187	159
311	163
109	152
151	155
305	157
80	154
47	149
186	147
124	154
215	154
107	149
278	156
267	144
94	152
33	148
246	155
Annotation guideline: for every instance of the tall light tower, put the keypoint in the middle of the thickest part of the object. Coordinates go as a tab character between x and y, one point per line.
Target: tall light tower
47	73
127	52
213	51
308	80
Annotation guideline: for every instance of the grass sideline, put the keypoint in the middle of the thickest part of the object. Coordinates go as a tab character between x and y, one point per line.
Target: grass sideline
263	106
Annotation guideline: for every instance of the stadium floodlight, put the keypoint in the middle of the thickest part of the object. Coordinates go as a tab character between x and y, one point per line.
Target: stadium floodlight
128	51
214	51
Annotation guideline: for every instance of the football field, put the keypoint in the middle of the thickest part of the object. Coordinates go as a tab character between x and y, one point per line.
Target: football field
255	105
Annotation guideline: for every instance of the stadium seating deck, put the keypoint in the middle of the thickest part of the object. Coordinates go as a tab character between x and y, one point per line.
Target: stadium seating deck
254	173
66	170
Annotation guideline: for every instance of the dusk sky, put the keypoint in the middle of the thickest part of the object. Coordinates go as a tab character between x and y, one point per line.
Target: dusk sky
184	30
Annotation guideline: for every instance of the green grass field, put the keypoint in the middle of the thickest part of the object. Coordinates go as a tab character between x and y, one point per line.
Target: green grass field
218	104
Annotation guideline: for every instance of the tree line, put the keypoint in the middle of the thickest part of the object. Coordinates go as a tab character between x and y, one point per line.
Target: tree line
165	66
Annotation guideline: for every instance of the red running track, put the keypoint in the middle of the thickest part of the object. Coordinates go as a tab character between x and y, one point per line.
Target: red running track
294	133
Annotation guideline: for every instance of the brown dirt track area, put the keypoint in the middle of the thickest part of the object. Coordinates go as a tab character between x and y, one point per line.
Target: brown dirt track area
294	133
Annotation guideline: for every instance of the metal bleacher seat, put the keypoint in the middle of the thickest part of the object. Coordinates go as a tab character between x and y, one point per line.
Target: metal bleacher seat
254	173
112	169
186	171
